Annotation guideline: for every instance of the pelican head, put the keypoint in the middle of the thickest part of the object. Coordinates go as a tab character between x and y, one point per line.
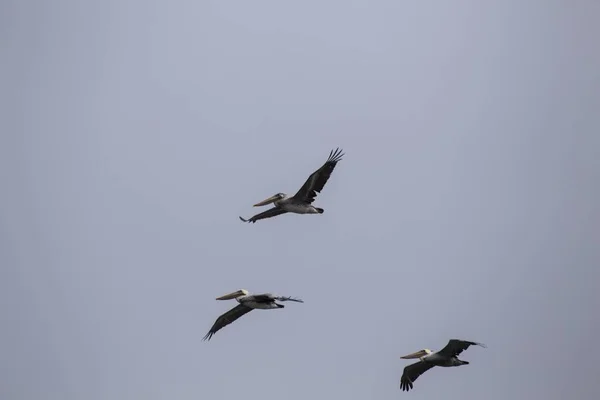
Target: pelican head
272	199
234	295
418	354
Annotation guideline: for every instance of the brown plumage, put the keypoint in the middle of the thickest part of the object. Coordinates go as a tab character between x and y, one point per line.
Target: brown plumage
317	180
271	212
446	357
227	318
301	202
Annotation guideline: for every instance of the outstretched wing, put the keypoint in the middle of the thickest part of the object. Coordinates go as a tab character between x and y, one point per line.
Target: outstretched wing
269	297
273	212
457	346
315	183
288	298
227	318
412	372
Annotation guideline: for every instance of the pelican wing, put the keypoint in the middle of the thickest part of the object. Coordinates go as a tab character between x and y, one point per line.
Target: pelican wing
412	372
315	183
287	298
263	298
227	318
457	346
268	297
273	212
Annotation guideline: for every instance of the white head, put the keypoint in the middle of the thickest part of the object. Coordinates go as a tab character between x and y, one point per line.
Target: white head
272	199
419	354
234	295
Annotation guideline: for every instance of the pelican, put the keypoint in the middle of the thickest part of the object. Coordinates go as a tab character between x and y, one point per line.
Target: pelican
446	357
247	302
301	202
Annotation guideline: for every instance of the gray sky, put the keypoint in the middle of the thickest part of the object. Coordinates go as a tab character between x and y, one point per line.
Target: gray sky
467	206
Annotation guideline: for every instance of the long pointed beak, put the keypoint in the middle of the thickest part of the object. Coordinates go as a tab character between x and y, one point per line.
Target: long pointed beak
266	201
417	354
230	296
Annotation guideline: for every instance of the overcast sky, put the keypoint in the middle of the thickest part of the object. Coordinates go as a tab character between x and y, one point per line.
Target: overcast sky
134	133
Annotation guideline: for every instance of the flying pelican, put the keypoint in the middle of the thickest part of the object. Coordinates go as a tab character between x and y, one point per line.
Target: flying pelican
247	302
446	357
301	202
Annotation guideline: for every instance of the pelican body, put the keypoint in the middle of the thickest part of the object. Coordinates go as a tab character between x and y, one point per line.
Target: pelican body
301	202
447	357
246	303
291	204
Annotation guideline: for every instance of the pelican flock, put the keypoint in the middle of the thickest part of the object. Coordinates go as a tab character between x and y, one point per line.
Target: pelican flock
301	203
247	302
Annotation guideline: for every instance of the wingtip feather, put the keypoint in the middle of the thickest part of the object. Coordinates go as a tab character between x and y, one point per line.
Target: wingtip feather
335	155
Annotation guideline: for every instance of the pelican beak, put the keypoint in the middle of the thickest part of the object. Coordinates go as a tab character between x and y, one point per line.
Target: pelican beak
418	354
230	296
266	201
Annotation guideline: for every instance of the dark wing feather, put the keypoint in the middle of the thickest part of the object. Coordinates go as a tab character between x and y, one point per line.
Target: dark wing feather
315	183
270	297
272	212
227	318
412	372
456	346
263	298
